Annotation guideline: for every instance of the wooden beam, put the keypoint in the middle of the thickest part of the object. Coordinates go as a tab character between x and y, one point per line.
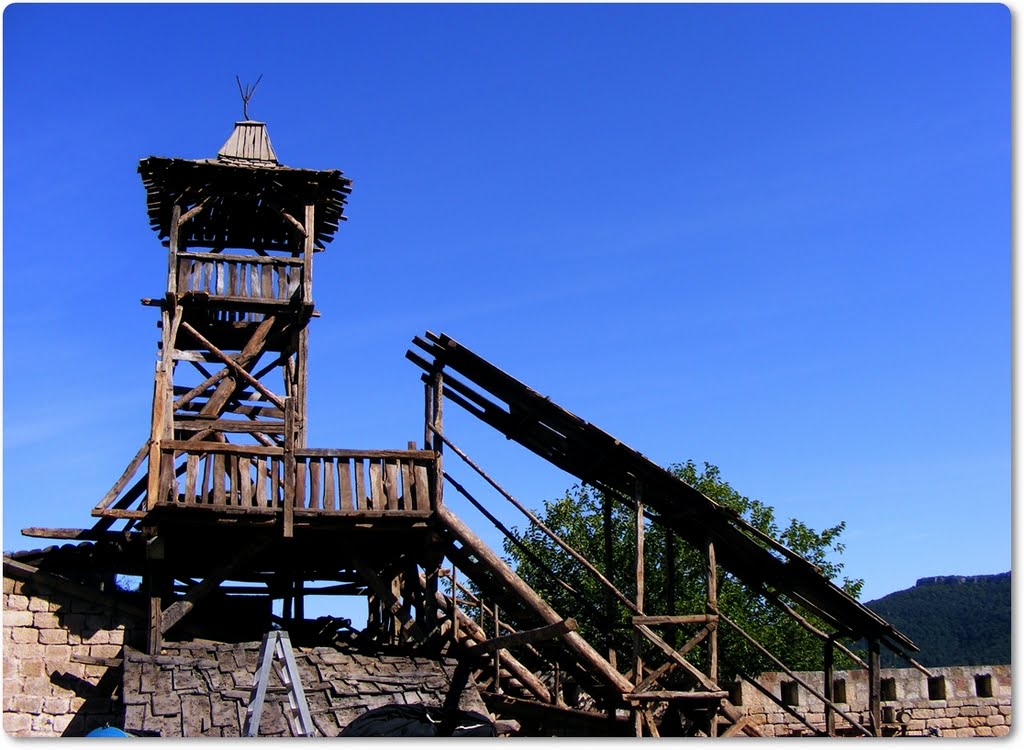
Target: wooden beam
671	653
828	676
543	633
675	619
875	686
675	695
391	602
233	365
79	534
250	354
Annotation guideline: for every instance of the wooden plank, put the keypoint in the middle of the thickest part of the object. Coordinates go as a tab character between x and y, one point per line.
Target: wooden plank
261	482
218	480
315	469
677	695
329	473
205	496
345	485
407	498
543	633
267	283
254	261
245	487
274	466
307	255
391	484
78	534
360	499
211	448
191	470
376	487
301	471
366	454
128	473
422	481
675	619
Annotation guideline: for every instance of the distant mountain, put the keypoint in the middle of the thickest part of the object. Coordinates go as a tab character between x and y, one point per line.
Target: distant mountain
956	620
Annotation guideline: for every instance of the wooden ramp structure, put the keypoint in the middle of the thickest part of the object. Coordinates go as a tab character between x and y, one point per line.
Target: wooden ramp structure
728	542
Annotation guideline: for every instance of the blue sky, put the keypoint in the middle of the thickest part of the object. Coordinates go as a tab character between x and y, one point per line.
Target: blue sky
774	238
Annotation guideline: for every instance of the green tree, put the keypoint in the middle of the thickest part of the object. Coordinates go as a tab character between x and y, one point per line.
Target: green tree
578	519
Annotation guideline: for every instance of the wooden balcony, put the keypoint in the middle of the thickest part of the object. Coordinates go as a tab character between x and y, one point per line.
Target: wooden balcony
263	480
250	280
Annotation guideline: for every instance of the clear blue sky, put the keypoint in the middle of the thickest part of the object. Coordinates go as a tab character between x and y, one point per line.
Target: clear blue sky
772	238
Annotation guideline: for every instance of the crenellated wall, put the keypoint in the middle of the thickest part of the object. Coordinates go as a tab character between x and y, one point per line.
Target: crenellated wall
956	702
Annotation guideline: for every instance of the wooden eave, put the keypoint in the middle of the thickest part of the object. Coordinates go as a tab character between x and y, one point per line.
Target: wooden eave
597	458
243	202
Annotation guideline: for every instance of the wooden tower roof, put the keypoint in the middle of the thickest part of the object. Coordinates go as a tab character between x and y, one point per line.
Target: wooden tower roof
243	191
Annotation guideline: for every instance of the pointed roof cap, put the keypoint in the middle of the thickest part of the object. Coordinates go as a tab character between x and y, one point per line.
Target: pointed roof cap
248	143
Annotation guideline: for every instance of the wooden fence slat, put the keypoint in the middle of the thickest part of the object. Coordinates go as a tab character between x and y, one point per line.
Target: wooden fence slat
232	279
218	479
233	496
282	283
344	485
275	483
405	497
391	484
315	469
191	467
329	470
300	483
254	280
422	494
261	482
376	499
245	481
267	285
360	499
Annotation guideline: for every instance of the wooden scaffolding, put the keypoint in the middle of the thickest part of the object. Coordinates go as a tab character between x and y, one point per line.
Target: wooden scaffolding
225	500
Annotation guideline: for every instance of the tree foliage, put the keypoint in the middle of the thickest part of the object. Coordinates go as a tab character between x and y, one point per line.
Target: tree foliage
578	518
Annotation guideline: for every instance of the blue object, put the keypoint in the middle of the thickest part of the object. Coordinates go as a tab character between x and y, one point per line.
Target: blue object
108	731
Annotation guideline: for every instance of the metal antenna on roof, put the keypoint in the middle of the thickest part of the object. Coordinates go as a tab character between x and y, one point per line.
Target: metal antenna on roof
247	93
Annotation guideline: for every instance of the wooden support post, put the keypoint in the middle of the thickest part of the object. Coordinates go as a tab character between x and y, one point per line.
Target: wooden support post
828	676
454	609
436	429
875	686
712	640
288	512
301	388
307	257
637	662
609	570
155	585
497	651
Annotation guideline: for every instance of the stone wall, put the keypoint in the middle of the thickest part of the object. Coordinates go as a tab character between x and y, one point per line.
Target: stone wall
957	702
45	691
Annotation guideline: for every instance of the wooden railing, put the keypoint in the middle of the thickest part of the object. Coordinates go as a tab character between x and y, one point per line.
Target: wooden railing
325	481
256	278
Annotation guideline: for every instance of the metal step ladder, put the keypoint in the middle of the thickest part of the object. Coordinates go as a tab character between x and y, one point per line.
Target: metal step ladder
276	654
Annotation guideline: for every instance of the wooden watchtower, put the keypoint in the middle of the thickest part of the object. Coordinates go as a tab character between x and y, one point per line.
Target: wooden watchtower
231	490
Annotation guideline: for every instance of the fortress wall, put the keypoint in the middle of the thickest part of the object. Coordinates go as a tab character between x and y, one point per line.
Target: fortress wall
976	702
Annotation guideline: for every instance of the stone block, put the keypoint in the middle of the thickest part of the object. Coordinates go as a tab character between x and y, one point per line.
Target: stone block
35	604
185	679
969	711
32	668
1000	731
25	635
8	585
959	722
994	720
57	636
15	602
224	713
42	725
45	620
57	657
965	732
196	716
56	705
18	619
39	686
983	731
975	721
27	704
105	650
134	716
97	637
17	724
942	723
61	723
165	705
